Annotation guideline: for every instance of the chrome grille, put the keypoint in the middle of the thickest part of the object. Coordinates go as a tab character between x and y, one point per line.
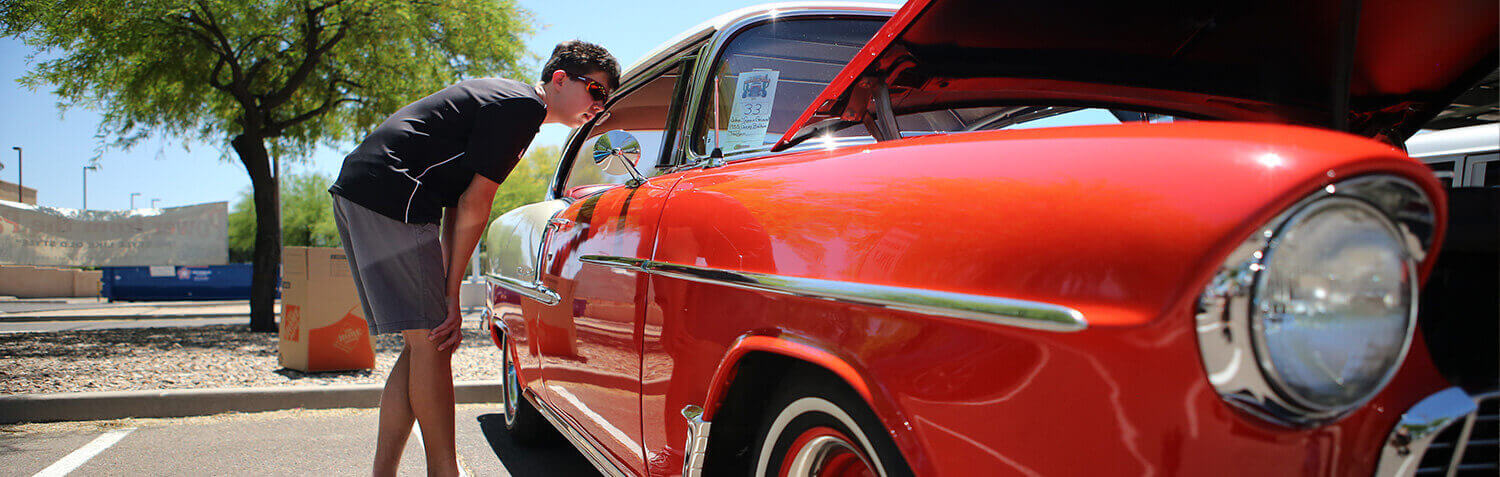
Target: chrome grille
1470	448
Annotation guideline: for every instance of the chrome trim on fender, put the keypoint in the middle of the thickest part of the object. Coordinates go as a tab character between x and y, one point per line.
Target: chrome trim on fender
594	455
986	309
695	452
623	263
536	292
1409	440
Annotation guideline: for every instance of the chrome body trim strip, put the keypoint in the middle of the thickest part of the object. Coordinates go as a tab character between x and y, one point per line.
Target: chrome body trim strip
594	455
623	263
985	309
1235	359
695	452
1409	440
536	292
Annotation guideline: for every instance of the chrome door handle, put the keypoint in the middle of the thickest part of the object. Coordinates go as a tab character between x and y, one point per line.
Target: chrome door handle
559	223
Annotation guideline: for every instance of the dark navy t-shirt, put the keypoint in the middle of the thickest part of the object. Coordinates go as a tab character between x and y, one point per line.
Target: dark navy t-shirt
422	158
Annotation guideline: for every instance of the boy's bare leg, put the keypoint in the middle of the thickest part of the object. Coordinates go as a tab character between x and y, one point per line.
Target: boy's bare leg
430	390
396	417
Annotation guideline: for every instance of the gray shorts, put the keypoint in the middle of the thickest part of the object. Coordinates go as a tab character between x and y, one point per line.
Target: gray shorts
397	267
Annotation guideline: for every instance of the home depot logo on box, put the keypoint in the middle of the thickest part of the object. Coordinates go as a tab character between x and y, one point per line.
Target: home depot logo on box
291	322
318	298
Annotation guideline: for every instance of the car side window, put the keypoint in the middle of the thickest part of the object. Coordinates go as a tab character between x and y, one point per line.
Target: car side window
768	74
643	112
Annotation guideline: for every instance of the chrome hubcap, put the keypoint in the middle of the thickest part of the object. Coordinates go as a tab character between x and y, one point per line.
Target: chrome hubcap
510	385
824	452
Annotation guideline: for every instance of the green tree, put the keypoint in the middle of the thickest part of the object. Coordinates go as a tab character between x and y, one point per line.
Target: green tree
527	183
306	216
274	78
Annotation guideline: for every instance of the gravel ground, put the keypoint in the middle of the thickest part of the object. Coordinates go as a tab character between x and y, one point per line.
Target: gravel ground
192	357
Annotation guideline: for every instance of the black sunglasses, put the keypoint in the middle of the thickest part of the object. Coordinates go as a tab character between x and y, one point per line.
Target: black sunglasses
596	90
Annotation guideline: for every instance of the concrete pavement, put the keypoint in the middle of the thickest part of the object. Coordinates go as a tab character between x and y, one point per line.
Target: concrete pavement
291	443
201	402
11	312
109	324
67	314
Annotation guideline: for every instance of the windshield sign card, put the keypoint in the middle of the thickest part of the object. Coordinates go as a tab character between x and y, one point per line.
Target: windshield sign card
751	115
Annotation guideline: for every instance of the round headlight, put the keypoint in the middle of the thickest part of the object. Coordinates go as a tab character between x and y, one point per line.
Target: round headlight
1335	304
1312	314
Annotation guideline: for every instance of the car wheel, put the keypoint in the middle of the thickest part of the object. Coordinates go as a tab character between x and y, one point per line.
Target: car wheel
525	425
817	426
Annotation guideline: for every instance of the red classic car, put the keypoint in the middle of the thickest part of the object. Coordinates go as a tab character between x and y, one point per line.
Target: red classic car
991	238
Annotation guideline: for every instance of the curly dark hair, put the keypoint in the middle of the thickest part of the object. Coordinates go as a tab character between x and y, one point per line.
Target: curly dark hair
581	58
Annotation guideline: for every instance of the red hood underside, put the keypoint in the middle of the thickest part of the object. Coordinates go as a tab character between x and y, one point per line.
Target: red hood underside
1375	67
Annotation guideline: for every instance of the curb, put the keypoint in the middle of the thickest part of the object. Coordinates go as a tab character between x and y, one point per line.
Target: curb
166	316
104	405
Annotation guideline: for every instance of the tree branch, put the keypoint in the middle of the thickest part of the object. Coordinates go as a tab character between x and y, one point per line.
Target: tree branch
253	119
277	127
213	77
313	49
254	70
212	27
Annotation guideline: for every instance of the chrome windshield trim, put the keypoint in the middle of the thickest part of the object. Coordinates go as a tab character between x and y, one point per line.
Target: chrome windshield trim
1419	426
576	437
533	291
981	308
720	39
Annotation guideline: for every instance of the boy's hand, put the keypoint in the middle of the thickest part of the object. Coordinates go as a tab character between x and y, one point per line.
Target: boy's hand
450	333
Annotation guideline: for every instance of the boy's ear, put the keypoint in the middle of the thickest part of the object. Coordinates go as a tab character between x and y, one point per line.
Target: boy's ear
559	77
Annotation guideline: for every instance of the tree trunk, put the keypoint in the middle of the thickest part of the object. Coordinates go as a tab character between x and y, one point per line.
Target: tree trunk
267	275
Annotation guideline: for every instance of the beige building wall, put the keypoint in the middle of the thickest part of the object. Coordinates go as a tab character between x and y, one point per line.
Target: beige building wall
86	282
42	282
8	192
22	281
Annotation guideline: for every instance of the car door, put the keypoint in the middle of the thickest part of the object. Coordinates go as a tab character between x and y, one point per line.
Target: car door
591	339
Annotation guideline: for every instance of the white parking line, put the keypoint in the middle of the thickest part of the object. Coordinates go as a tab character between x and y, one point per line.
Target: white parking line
416	431
83	454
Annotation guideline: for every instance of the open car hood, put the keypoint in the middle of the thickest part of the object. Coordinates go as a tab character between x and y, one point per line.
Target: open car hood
1378	68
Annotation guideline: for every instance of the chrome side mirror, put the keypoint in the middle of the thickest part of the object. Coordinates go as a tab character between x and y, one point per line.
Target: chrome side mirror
618	152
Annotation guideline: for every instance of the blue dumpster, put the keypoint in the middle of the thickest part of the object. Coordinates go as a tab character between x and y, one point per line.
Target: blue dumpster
214	282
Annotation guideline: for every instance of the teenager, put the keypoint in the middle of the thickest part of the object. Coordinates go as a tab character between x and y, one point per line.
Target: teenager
411	203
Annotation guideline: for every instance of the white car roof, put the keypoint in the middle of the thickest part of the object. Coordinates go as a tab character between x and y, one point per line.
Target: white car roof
1480	138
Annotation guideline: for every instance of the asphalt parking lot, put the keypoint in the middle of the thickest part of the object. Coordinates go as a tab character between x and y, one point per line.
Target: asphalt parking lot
291	443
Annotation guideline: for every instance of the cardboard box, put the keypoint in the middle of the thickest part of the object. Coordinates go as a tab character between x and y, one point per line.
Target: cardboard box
322	323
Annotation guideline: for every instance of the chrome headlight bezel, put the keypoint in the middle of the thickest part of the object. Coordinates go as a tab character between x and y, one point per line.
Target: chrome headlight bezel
1232	350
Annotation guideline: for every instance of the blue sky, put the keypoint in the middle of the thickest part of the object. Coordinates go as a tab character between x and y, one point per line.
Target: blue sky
57	144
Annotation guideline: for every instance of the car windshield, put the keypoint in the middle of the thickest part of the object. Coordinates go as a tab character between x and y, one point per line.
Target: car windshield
769	74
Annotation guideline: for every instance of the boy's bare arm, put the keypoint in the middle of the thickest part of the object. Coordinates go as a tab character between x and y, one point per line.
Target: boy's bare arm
468	221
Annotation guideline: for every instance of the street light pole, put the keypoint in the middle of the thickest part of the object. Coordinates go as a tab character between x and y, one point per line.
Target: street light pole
86	170
153	202
20	181
132	199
